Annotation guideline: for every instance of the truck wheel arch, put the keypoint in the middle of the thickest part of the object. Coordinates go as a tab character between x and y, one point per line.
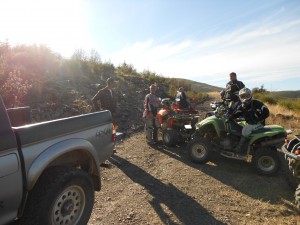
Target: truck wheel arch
69	153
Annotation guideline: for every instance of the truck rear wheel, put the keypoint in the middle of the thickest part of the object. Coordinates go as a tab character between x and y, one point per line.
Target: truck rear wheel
170	137
61	196
199	150
266	161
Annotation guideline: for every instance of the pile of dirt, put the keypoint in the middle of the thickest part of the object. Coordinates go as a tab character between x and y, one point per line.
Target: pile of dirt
59	99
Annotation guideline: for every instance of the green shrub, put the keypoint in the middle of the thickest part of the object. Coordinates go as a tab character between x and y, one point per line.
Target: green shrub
266	98
292	104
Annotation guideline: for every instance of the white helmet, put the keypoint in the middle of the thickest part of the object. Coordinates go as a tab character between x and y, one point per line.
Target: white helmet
166	102
245	96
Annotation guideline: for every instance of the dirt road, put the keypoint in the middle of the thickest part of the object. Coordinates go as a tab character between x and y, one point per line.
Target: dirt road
159	185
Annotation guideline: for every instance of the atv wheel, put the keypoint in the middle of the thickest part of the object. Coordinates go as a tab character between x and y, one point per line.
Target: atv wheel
199	150
266	161
170	137
297	197
61	196
294	167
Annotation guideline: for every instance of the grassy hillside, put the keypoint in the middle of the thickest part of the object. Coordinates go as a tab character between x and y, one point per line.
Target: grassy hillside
287	94
198	86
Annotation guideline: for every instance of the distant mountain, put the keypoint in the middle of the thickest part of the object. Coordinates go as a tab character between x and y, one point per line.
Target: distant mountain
200	87
287	94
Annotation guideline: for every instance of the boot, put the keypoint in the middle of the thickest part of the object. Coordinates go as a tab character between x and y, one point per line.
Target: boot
238	148
149	134
154	137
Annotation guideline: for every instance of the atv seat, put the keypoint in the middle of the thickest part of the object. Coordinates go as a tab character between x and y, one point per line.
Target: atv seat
262	130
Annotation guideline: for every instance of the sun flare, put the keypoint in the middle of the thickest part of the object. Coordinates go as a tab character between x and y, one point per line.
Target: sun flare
61	25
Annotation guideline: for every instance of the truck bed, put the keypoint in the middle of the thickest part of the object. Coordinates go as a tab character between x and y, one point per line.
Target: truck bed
55	128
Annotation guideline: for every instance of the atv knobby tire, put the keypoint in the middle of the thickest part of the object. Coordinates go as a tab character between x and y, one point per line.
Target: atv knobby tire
266	161
297	197
199	150
62	195
294	167
170	137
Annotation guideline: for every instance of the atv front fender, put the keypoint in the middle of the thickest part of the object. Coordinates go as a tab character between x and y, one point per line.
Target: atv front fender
209	122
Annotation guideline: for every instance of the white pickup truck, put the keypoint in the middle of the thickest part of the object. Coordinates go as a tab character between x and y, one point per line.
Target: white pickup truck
50	170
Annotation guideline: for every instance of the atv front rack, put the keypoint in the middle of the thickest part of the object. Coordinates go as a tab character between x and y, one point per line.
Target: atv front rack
290	148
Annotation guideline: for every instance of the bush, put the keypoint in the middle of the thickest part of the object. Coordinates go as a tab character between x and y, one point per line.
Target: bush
292	104
266	98
14	89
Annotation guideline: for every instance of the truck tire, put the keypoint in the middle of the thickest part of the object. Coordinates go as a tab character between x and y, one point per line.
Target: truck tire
297	197
199	150
170	137
62	195
266	161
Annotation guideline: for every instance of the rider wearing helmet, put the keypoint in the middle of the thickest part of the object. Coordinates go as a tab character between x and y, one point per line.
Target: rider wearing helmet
254	112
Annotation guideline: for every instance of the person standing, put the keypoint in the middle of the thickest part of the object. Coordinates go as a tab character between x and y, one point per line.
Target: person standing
107	98
151	105
233	87
181	98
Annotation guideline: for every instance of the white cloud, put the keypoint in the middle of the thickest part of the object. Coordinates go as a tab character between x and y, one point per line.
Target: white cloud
258	53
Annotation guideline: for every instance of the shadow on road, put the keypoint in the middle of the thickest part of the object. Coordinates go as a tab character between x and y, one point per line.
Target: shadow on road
238	174
184	207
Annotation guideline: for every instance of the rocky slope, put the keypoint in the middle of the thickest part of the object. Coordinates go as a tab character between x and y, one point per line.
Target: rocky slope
64	98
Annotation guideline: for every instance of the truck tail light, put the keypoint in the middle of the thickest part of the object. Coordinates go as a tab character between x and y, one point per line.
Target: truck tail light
113	135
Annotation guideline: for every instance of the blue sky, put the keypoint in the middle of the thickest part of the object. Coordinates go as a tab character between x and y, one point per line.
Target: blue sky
194	39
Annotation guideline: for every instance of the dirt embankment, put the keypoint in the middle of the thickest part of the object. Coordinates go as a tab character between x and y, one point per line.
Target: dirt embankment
159	185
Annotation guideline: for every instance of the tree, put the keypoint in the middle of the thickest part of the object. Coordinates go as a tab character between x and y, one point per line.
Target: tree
14	89
259	90
126	69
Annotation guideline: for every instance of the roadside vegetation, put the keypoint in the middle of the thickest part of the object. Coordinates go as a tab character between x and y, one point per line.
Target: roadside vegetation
286	103
27	72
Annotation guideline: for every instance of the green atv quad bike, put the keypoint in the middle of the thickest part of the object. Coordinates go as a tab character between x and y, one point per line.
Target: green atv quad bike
291	149
218	134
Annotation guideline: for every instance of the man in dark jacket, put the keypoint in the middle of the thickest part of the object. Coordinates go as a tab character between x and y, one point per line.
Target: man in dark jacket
232	90
181	98
107	98
254	112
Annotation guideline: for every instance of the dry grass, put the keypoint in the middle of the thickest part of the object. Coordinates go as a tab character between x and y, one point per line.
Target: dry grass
215	95
284	117
277	109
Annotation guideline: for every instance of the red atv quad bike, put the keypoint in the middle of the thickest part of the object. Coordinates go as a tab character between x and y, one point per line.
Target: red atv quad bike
177	125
